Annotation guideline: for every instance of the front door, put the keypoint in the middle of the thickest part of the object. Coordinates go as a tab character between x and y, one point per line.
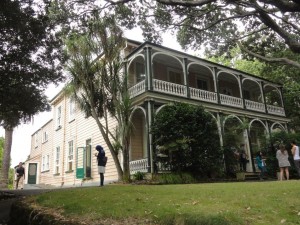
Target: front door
80	158
32	169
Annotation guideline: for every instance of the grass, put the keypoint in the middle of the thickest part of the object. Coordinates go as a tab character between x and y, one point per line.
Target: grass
264	203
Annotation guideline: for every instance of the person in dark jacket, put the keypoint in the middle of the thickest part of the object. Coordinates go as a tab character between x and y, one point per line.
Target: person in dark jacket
20	172
101	163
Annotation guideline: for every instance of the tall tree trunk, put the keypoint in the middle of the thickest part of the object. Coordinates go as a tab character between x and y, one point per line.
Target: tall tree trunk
6	158
126	169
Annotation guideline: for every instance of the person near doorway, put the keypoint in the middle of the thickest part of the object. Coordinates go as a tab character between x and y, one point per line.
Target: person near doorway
20	172
283	161
102	159
243	158
261	165
296	156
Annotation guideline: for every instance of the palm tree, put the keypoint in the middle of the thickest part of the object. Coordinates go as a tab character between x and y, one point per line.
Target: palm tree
98	84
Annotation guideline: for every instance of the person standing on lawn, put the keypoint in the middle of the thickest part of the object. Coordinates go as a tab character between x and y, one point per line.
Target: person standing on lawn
261	165
283	160
296	156
20	172
102	159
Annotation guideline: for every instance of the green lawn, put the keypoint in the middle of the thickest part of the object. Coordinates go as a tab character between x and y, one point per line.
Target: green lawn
271	202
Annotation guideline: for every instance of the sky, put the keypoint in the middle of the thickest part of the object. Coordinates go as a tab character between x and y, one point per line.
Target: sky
22	134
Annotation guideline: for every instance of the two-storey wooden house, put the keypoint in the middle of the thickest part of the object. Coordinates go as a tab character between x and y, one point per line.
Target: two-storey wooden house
63	149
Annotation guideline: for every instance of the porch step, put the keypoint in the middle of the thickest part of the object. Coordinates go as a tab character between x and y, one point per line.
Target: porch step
252	176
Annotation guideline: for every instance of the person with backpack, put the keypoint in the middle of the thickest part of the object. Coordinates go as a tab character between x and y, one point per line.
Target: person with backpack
296	156
102	160
20	172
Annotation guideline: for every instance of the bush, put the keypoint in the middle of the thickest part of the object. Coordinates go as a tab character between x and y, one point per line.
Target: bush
188	136
138	176
176	178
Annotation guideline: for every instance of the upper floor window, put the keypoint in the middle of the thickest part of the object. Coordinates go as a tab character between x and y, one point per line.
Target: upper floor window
58	116
36	139
202	84
71	109
174	76
45	136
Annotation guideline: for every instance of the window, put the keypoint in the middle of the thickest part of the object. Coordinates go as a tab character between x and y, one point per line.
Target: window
174	75
45	163
58	117
71	109
246	94
36	137
70	156
56	163
202	84
139	72
45	136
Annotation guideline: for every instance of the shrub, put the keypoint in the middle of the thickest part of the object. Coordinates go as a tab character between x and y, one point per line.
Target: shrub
176	178
138	176
188	136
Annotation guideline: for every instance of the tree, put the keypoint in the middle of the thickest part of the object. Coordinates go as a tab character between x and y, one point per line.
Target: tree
264	26
99	86
29	60
184	133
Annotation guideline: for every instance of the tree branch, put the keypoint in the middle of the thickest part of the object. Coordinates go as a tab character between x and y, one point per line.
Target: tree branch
269	59
185	3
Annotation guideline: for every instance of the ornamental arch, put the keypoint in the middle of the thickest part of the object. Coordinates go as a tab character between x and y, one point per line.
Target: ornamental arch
138	139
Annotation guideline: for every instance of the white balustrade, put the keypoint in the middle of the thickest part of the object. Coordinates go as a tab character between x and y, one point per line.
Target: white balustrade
140	165
231	101
169	88
203	95
256	106
137	89
272	109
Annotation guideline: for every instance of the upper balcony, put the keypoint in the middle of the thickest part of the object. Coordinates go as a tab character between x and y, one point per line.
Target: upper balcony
158	69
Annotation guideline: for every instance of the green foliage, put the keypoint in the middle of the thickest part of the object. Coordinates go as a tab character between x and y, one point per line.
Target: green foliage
28	63
188	136
139	176
176	178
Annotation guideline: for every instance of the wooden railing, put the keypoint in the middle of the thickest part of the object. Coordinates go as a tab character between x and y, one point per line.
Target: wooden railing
137	89
256	106
203	95
231	101
140	165
169	88
272	109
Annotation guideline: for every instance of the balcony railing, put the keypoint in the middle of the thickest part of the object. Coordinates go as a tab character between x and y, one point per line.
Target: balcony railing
231	101
202	95
137	89
256	106
272	109
169	88
140	165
